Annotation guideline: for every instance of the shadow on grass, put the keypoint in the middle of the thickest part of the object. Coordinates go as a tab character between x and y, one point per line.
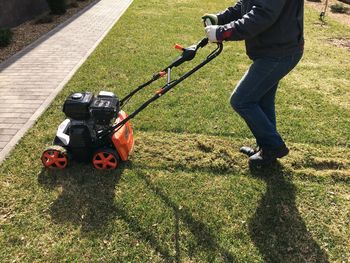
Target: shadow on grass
87	200
86	197
201	232
277	228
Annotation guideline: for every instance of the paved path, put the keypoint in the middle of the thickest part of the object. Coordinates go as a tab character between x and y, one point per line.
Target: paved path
31	79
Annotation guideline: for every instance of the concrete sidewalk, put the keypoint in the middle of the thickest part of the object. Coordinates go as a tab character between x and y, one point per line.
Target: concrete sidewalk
31	79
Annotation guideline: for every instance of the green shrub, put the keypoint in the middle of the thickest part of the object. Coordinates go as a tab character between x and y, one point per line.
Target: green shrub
44	19
339	8
74	4
5	37
57	7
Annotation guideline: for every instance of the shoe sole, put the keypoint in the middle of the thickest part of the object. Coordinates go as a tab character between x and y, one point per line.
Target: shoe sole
283	154
247	152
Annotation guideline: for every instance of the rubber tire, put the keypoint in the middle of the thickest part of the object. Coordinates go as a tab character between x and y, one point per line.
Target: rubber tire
98	160
57	164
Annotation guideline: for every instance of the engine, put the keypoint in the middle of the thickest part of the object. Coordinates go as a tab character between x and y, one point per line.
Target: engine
88	115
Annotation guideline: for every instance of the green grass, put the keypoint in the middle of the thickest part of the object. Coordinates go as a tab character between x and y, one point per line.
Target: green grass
186	195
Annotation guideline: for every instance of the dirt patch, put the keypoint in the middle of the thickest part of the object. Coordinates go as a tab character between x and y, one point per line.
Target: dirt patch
28	32
341	42
320	6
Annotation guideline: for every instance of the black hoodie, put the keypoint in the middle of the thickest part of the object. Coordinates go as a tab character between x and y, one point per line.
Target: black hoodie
269	27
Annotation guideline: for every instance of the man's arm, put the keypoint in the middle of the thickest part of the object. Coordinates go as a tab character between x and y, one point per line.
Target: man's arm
261	17
230	14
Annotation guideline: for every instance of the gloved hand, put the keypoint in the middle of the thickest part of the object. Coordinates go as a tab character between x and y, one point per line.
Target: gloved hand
210	31
213	19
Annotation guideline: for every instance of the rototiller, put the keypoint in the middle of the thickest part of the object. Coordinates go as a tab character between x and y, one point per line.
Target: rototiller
98	130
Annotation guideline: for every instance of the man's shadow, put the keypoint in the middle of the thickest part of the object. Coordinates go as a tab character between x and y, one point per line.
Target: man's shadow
277	228
86	197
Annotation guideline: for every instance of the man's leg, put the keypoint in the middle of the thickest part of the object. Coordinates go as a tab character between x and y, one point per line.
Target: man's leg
254	97
267	104
256	83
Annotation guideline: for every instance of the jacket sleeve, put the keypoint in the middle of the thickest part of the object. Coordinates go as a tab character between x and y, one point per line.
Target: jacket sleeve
262	15
230	14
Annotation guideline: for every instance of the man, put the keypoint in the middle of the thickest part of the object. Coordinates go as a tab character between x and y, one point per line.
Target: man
273	34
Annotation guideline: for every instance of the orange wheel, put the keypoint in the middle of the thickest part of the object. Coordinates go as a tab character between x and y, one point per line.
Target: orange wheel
105	159
55	157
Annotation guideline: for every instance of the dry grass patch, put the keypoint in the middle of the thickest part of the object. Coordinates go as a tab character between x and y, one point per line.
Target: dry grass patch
192	152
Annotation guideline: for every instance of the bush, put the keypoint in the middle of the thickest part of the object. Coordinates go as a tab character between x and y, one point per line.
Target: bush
318	1
339	8
5	37
57	7
74	4
44	19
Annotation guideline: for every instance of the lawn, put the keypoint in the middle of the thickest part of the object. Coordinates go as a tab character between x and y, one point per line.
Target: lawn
187	195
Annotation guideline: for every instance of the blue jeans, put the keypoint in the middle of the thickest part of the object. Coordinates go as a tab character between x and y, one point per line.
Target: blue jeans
254	97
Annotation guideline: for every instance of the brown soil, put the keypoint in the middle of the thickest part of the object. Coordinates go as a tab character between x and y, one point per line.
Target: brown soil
28	32
341	42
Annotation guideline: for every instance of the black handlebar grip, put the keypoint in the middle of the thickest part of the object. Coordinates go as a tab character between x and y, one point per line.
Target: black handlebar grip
203	43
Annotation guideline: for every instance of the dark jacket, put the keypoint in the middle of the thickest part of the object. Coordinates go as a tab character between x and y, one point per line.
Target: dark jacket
269	27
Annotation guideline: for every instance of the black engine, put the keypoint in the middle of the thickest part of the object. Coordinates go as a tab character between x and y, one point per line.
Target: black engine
88	115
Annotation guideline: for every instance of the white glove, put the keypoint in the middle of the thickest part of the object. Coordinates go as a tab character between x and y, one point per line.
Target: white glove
210	31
